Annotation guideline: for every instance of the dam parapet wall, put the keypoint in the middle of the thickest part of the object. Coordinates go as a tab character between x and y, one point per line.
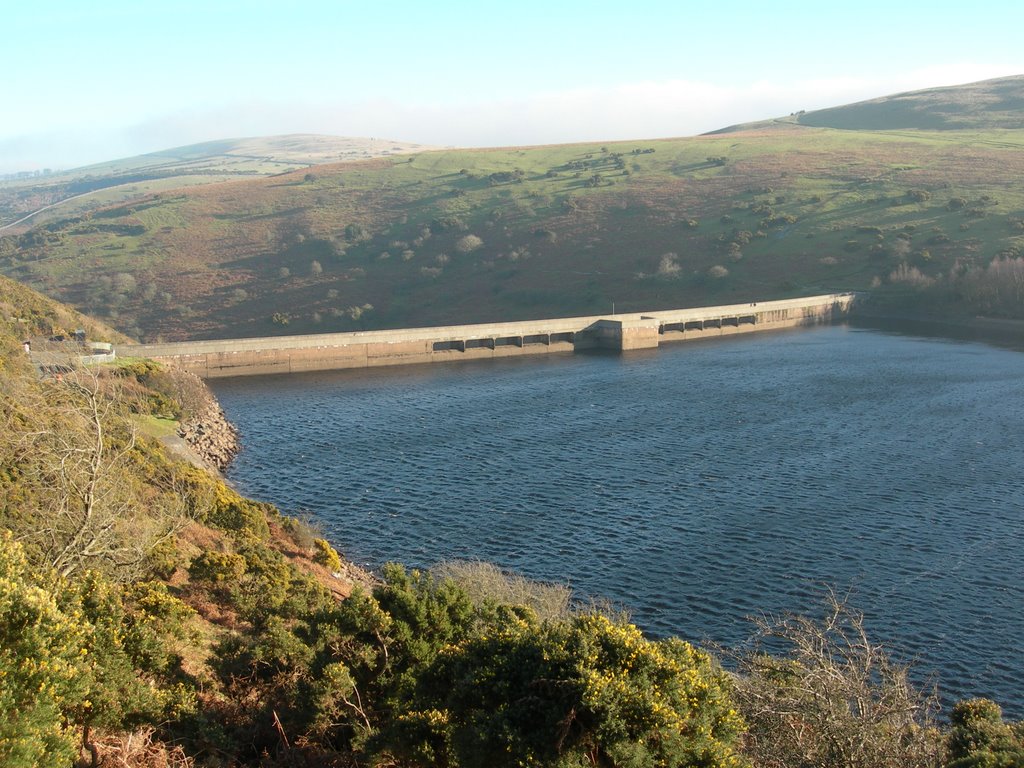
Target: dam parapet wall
364	349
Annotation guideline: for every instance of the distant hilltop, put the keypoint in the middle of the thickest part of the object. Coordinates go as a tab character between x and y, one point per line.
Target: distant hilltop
985	105
287	151
36	194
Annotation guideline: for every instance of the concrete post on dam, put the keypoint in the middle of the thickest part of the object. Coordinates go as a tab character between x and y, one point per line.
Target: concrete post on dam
364	349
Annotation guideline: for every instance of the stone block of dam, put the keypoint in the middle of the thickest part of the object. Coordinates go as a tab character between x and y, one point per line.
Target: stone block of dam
363	349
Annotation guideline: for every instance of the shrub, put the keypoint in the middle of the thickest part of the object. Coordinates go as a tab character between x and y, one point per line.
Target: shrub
777	221
833	698
164	559
668	266
125	653
911	276
231	512
355	312
487	583
302	531
446	223
272	585
326	556
264	670
157	621
468	244
217	568
356	233
588	691
979	738
39	652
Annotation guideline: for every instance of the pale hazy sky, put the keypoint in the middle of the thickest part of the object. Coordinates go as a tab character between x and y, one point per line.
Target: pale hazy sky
90	80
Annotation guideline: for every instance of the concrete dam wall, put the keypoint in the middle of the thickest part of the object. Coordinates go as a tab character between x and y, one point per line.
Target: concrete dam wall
620	332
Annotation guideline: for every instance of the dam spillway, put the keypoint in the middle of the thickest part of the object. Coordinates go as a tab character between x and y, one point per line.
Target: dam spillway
363	349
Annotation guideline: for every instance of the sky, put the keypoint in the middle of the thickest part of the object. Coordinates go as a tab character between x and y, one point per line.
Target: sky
84	81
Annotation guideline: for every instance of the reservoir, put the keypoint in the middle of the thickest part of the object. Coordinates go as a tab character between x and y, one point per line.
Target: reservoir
694	485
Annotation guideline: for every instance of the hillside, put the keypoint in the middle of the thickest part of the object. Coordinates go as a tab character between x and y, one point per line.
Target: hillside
985	105
93	186
24	313
459	236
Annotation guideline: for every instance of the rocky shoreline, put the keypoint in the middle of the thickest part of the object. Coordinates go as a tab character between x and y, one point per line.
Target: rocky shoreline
206	430
212	437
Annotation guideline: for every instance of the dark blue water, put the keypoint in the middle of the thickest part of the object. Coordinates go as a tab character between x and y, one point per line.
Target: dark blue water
696	485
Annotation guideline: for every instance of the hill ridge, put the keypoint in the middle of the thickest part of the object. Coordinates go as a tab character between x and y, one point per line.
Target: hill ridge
984	104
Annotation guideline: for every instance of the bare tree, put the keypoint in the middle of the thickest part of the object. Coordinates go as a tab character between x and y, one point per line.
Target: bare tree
834	699
88	509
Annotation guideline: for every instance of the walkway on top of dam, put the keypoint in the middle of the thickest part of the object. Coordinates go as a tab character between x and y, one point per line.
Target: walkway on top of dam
621	331
666	319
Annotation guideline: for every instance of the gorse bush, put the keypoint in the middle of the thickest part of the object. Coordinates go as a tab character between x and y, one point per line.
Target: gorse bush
979	738
417	674
325	555
217	568
40	653
76	656
235	514
586	691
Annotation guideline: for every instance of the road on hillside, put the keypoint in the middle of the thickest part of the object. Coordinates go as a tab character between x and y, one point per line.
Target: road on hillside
48	207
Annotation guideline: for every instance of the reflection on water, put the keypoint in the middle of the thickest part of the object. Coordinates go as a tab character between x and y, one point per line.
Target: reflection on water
696	485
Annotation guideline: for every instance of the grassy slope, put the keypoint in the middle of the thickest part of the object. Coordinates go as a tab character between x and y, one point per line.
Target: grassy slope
824	208
105	183
24	313
985	105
